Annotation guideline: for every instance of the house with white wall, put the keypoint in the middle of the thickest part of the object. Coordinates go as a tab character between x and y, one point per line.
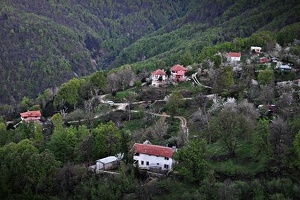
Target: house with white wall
234	56
158	78
153	157
255	49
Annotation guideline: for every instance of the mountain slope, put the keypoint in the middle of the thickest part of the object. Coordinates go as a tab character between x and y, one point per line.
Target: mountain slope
43	43
195	31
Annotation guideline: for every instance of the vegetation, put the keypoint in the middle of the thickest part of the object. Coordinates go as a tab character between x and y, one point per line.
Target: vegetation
54	41
235	124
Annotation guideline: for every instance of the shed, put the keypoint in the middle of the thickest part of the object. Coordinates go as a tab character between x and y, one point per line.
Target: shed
107	163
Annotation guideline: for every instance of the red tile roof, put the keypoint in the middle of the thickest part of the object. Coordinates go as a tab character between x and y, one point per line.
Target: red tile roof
159	72
178	67
234	54
180	73
154	150
31	114
264	60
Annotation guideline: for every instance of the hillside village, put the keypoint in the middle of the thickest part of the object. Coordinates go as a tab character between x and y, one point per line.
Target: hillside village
188	123
225	127
149	99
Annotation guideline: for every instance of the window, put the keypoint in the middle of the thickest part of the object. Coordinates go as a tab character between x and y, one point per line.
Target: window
142	162
166	166
147	163
166	158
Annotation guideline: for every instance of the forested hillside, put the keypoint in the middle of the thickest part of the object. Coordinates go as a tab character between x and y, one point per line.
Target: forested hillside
212	85
207	24
46	42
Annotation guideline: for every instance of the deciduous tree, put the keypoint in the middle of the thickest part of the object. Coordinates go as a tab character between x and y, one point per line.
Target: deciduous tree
223	79
107	138
281	140
98	81
266	77
175	101
68	93
3	134
24	170
297	148
191	161
232	124
187	58
261	139
63	143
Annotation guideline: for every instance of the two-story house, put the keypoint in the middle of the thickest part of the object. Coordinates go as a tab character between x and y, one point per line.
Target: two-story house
158	78
147	156
178	73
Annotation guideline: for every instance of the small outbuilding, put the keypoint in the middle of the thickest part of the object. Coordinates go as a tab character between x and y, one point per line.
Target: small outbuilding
107	163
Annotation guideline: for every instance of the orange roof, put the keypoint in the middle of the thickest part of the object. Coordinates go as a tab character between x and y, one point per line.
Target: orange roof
154	150
178	67
159	72
31	114
234	54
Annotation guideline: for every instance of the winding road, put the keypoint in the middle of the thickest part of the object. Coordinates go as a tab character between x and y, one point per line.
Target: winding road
183	123
194	77
123	106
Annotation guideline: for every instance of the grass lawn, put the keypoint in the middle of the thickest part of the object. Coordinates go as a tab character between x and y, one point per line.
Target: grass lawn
133	125
120	96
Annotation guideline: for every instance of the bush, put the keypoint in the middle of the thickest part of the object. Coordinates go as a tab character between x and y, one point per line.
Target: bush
280	186
243	189
257	189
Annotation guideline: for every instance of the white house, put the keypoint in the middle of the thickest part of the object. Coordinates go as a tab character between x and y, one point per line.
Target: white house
158	77
107	163
255	49
234	56
153	157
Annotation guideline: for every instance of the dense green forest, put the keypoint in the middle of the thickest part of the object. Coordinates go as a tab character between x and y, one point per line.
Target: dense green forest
45	43
86	65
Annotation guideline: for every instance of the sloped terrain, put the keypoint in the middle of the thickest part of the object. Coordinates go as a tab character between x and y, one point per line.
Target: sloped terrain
45	43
